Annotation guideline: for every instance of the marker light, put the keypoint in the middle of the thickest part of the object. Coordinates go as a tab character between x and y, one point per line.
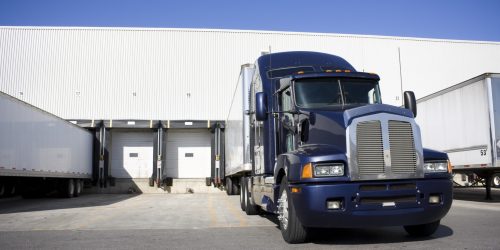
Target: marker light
306	171
450	167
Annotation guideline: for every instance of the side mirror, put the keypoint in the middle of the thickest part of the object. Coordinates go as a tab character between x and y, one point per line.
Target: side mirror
410	102
261	106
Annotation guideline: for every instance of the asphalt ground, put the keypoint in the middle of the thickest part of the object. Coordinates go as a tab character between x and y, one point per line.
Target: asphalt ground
215	221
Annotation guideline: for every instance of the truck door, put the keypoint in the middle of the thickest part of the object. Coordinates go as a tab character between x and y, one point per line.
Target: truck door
287	136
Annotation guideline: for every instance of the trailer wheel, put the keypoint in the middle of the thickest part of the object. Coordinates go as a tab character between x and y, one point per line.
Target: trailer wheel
68	188
2	190
422	230
290	226
229	186
250	208
242	194
9	189
235	187
78	188
495	180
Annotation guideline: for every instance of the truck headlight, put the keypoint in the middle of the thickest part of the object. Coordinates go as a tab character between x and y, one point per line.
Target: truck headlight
436	167
326	170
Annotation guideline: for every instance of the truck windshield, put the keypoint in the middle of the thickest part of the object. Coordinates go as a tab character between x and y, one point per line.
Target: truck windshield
331	92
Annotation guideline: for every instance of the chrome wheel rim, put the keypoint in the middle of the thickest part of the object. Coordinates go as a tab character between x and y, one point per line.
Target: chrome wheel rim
496	180
283	210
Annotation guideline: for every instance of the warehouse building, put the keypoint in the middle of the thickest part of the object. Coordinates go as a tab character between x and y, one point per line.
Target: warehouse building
158	98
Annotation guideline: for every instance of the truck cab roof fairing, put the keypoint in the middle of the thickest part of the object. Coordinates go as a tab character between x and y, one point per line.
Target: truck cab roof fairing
302	59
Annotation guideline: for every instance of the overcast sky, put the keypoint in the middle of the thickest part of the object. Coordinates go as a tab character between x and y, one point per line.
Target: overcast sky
450	19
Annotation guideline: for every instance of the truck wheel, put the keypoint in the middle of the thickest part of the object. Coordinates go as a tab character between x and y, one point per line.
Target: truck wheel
2	190
250	208
229	186
9	189
68	188
78	187
242	194
495	180
235	188
290	226
422	230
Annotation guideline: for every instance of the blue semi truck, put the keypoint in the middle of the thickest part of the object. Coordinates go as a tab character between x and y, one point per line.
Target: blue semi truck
308	138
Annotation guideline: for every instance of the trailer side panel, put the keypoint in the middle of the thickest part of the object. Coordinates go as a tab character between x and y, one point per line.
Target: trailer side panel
38	144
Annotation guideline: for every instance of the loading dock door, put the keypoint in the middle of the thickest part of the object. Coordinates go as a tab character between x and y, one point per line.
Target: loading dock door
188	153
131	154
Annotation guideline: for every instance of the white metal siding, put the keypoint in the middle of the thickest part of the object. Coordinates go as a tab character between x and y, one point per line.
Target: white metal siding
195	143
182	74
131	154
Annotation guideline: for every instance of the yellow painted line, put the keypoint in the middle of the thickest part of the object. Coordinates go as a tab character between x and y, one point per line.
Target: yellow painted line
98	219
236	213
211	211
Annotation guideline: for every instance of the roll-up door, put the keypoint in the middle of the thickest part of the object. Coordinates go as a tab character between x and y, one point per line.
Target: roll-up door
188	153
131	154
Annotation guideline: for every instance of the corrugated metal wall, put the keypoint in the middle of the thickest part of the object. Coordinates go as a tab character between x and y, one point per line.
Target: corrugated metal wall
182	74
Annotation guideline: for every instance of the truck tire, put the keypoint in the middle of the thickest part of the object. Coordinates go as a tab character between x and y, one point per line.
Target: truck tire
495	180
422	230
9	189
2	189
78	188
242	194
290	226
250	207
68	188
229	186
235	187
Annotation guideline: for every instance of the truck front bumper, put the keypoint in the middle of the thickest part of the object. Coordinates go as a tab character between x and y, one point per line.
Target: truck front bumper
372	204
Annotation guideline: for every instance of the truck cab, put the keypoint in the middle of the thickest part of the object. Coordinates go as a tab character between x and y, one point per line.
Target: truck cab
326	152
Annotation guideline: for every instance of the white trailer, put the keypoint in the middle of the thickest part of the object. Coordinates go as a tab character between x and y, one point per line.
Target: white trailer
237	133
464	121
40	152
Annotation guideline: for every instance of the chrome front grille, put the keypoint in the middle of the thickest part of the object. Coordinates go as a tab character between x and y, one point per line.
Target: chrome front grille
403	156
370	148
384	146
